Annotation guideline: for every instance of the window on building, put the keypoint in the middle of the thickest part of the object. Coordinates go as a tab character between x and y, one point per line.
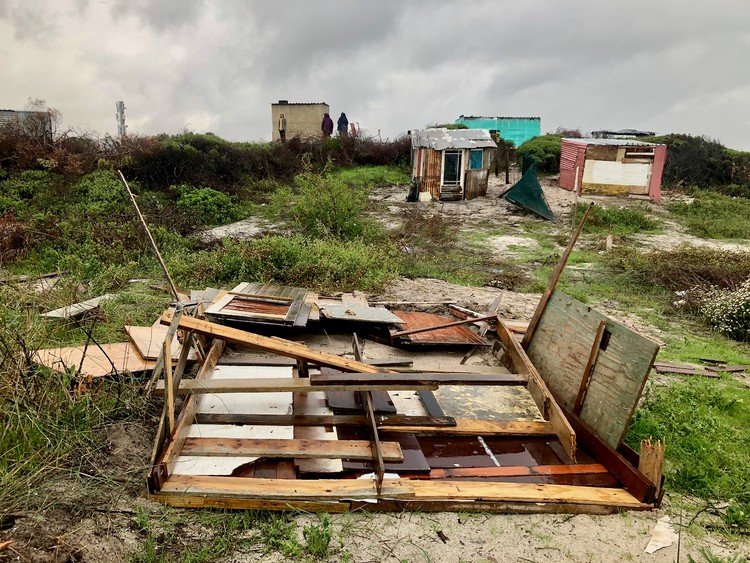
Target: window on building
475	160
451	168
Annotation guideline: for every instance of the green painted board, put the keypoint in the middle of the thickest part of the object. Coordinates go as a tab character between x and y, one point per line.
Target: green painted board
560	350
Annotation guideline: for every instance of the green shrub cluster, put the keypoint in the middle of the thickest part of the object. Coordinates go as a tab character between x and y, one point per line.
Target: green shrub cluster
713	215
206	206
545	149
618	220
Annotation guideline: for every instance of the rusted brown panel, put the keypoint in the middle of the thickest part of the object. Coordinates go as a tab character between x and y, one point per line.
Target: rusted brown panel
458	335
431	176
252	306
598	152
476	183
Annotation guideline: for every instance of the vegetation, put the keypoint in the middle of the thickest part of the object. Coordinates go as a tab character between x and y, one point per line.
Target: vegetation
618	220
713	215
545	149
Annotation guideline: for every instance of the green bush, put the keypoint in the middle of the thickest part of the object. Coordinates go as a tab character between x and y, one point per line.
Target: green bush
618	220
328	207
101	193
373	176
712	215
545	149
206	206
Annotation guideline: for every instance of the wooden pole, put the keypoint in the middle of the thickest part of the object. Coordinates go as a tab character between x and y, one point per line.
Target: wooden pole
586	379
150	238
169	383
553	281
507	165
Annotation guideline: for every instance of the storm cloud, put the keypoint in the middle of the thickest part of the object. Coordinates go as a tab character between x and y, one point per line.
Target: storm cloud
668	66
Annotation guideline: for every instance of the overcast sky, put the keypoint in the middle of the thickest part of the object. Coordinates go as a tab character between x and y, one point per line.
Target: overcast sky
391	65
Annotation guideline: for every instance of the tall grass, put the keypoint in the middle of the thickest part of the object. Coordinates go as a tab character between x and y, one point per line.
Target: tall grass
712	215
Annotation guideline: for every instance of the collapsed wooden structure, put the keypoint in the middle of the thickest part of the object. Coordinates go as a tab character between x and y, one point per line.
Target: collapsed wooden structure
275	433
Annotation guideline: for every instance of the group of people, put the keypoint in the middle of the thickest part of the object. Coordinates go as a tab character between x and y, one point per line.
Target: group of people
326	126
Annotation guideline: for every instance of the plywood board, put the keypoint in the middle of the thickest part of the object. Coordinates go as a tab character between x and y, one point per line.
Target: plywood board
315	404
358	313
150	339
78	309
124	356
560	350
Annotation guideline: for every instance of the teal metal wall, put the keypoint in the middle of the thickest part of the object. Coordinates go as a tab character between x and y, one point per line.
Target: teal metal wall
516	129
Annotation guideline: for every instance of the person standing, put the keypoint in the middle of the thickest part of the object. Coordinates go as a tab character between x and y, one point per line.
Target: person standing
327	126
282	128
343	125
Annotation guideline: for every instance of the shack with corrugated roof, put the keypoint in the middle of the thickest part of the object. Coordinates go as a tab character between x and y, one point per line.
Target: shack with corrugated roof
620	167
451	165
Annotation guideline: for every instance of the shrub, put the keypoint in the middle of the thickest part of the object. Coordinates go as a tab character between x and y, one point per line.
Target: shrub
328	207
206	206
374	176
728	311
618	220
545	149
712	215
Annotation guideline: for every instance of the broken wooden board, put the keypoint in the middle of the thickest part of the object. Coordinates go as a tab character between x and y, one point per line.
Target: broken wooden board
315	404
261	303
451	336
96	363
78	309
560	349
357	313
686	369
150	339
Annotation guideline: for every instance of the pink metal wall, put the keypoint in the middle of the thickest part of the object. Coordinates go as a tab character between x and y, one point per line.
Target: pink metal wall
654	188
572	154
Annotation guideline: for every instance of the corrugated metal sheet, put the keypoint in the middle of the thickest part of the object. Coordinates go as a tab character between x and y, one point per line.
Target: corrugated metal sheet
515	129
441	139
611	142
569	159
431	179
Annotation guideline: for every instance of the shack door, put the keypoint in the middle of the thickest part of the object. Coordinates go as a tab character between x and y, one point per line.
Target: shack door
452	170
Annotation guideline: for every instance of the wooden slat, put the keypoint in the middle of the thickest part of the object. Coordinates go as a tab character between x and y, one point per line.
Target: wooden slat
277	385
96	361
633	480
595	347
552	283
149	340
424	422
544	400
453	335
466	427
253	361
168	457
303	449
169	386
270	344
329	489
442	325
385	380
376	448
519	471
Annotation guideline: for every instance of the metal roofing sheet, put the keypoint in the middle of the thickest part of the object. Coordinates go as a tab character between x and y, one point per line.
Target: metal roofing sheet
440	138
456	335
615	142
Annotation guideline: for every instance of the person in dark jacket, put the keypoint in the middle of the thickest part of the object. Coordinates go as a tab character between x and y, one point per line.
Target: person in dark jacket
327	126
343	125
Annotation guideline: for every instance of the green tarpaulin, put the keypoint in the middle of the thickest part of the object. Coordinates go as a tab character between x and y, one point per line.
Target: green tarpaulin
527	192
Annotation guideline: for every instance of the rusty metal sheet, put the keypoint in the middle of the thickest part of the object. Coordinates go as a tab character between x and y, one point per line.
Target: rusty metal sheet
454	335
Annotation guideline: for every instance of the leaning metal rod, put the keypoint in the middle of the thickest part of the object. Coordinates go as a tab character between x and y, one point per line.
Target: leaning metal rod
153	243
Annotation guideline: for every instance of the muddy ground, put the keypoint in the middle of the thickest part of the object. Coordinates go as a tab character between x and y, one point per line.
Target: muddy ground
95	513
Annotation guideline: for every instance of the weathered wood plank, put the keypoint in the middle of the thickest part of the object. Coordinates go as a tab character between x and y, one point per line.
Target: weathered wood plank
424	422
539	392
296	448
270	344
278	385
466	427
385	380
560	351
519	471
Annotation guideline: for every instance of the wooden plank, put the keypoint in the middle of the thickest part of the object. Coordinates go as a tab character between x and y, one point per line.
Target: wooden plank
97	361
652	461
296	448
519	471
270	344
430	403
181	500
560	350
634	481
78	309
554	278
169	386
168	457
255	361
376	449
595	347
329	489
441	326
424	422
385	380
466	427
358	313
280	385
685	370
149	340
544	400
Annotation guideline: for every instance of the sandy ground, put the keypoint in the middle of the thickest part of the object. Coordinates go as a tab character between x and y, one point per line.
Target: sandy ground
95	515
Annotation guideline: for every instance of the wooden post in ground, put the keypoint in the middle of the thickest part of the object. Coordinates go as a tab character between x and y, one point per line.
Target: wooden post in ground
554	278
652	461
